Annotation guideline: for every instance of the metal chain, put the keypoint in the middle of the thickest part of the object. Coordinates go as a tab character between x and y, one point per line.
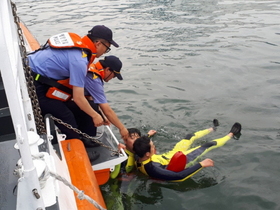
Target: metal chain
32	90
114	152
28	77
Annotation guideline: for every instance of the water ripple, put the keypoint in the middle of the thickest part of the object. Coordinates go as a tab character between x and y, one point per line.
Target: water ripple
186	62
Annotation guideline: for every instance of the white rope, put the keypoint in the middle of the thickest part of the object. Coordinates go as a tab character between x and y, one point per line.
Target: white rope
47	173
80	194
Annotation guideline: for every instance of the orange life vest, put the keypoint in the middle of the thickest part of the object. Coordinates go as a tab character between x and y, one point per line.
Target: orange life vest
61	89
72	40
97	70
60	92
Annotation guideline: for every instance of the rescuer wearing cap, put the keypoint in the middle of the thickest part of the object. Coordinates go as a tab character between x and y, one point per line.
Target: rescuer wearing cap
68	56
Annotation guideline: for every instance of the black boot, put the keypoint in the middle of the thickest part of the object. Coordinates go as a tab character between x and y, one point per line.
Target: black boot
89	143
93	155
215	124
236	130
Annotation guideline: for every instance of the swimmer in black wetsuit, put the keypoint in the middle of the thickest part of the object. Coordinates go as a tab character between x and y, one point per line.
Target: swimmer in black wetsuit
133	134
128	165
155	165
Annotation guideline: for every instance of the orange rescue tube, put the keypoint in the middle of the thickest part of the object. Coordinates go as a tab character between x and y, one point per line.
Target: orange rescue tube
178	162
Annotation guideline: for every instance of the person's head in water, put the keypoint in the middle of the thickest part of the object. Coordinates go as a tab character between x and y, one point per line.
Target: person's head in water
133	134
144	147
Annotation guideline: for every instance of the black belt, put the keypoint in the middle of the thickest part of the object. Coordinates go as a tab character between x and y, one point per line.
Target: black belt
51	82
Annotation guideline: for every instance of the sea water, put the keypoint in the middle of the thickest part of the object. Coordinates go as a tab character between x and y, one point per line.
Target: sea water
186	62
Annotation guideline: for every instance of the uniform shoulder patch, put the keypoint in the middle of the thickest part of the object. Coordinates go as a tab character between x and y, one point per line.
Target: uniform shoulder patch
94	76
84	54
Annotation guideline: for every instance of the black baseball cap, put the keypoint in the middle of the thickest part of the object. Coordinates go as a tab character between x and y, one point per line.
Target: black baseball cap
114	64
102	32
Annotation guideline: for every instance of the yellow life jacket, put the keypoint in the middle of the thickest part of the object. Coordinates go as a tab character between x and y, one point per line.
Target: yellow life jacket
130	161
129	165
140	166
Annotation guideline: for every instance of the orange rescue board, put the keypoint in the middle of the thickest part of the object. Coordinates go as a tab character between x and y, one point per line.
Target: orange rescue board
81	173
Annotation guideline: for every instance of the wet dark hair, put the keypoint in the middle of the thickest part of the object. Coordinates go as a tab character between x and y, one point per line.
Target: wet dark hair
141	146
133	130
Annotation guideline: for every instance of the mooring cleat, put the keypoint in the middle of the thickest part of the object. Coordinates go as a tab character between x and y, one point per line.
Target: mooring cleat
215	124
236	130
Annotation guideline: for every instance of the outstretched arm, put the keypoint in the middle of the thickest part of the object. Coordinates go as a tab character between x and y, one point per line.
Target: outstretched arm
207	163
121	146
83	104
113	118
151	133
156	170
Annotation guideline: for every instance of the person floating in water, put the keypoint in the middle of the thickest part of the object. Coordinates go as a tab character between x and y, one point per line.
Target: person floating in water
127	166
177	164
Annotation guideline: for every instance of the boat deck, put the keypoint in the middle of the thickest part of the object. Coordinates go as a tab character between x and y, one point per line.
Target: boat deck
8	154
8	157
6	124
105	153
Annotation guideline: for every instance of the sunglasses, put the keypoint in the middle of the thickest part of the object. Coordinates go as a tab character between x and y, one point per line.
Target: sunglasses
114	72
107	48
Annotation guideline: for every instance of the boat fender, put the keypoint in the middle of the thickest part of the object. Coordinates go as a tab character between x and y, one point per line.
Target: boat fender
116	171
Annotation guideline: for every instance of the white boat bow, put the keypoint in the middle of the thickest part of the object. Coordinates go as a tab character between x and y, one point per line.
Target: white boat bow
36	172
